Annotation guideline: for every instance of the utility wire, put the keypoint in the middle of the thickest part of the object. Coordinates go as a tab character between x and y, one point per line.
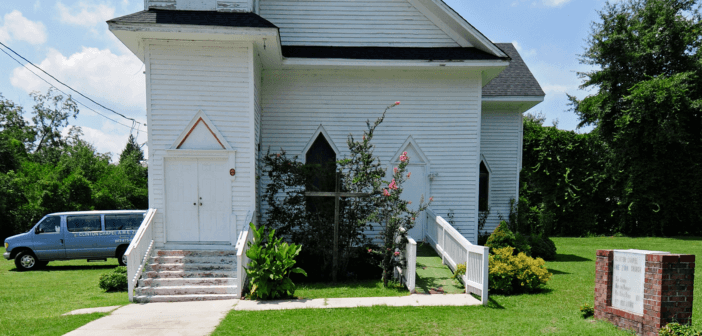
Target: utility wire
59	90
64	84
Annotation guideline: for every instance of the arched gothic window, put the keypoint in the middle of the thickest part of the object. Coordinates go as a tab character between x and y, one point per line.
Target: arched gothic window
483	188
322	155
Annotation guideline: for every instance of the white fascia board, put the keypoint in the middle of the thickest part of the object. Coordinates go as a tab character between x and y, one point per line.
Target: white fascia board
447	19
513	99
352	63
267	40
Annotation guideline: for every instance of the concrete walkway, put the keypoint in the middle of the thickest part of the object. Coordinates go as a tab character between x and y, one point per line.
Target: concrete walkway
415	300
176	318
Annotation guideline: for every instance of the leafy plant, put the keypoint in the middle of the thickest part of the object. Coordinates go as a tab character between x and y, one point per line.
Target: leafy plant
587	310
542	247
519	273
460	272
503	237
115	281
677	329
271	264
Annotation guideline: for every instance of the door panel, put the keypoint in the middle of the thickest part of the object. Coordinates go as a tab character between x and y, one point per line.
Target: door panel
215	197
48	243
413	189
83	235
181	200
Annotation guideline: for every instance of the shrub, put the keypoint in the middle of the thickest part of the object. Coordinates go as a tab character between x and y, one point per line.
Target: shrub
677	329
115	281
587	310
460	272
511	273
503	237
271	264
542	247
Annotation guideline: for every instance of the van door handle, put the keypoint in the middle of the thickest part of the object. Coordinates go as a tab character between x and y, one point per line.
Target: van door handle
61	241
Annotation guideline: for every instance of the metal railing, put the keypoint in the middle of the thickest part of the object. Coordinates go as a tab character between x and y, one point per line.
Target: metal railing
455	249
409	273
245	236
139	250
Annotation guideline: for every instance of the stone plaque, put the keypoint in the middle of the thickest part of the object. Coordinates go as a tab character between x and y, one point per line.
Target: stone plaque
628	279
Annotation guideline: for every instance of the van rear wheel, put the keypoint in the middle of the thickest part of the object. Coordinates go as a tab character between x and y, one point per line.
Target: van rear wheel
26	261
121	259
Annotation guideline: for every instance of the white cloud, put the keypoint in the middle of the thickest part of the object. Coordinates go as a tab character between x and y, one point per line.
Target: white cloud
85	14
522	51
16	27
110	79
555	3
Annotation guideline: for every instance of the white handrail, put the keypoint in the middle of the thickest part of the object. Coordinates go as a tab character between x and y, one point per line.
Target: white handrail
242	260
455	249
408	275
139	250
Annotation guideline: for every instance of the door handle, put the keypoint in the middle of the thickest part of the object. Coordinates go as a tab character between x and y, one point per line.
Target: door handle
194	203
61	241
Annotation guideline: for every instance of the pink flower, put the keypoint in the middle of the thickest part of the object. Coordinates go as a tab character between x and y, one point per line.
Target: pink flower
392	185
409	174
395	170
397	253
386	192
370	250
364	137
403	157
431	199
388	249
409	202
278	155
397	103
413	219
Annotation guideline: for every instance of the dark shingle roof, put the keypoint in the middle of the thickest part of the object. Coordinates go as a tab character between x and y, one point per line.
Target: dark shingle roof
388	53
516	80
200	18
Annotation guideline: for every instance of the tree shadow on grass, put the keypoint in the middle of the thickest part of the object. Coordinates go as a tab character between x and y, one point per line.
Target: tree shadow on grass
555	271
686	238
570	257
68	268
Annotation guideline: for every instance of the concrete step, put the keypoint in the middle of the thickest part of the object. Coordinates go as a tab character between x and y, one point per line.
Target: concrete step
190	274
193	260
191	267
196	253
181	298
158	282
186	290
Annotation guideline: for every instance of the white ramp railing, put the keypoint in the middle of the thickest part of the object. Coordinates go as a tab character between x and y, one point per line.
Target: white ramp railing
409	273
242	260
455	249
139	250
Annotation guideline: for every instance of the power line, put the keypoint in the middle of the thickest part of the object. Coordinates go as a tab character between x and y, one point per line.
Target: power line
59	90
66	85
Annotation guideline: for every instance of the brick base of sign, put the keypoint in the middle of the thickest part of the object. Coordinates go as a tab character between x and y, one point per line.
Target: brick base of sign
668	289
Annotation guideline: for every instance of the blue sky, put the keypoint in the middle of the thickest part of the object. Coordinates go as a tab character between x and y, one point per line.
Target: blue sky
69	39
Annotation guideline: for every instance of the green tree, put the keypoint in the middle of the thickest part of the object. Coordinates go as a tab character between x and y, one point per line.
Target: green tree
646	109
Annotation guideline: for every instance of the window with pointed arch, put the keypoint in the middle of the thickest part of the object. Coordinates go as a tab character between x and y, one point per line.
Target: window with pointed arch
321	159
484	188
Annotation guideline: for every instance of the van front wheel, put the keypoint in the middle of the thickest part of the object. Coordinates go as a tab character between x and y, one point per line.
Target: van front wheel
26	261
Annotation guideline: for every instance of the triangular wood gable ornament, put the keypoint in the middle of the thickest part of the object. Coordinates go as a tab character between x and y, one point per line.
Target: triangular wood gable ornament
201	134
415	154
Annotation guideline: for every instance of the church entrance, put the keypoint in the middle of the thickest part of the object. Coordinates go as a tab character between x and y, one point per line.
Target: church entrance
198	200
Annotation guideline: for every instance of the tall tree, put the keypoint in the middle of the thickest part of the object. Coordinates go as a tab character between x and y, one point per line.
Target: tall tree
646	108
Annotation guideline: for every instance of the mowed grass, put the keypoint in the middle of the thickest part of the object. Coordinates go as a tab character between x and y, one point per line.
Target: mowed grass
31	303
553	311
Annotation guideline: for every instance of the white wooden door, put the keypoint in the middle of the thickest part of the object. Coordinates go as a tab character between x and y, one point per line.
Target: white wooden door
181	200
215	200
412	190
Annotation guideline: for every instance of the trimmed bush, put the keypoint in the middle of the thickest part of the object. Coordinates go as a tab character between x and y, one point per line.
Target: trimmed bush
542	247
115	281
510	274
460	272
677	329
504	237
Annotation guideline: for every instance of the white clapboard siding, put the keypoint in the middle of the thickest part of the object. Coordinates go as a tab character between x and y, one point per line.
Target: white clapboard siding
184	78
204	5
441	113
257	123
160	4
377	23
500	144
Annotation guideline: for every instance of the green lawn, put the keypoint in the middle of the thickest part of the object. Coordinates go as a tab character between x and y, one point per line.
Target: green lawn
31	303
554	311
433	274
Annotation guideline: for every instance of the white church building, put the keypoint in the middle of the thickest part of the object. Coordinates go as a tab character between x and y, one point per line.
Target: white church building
228	79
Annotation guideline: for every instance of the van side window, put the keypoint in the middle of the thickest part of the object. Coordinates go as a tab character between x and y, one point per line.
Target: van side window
83	223
123	222
50	225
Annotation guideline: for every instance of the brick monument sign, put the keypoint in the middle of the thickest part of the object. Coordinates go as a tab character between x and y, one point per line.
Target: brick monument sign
644	290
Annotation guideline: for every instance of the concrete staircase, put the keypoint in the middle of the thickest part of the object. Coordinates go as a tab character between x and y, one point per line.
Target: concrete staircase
189	275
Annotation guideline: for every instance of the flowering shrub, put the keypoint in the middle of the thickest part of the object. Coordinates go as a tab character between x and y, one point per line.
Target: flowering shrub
511	273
